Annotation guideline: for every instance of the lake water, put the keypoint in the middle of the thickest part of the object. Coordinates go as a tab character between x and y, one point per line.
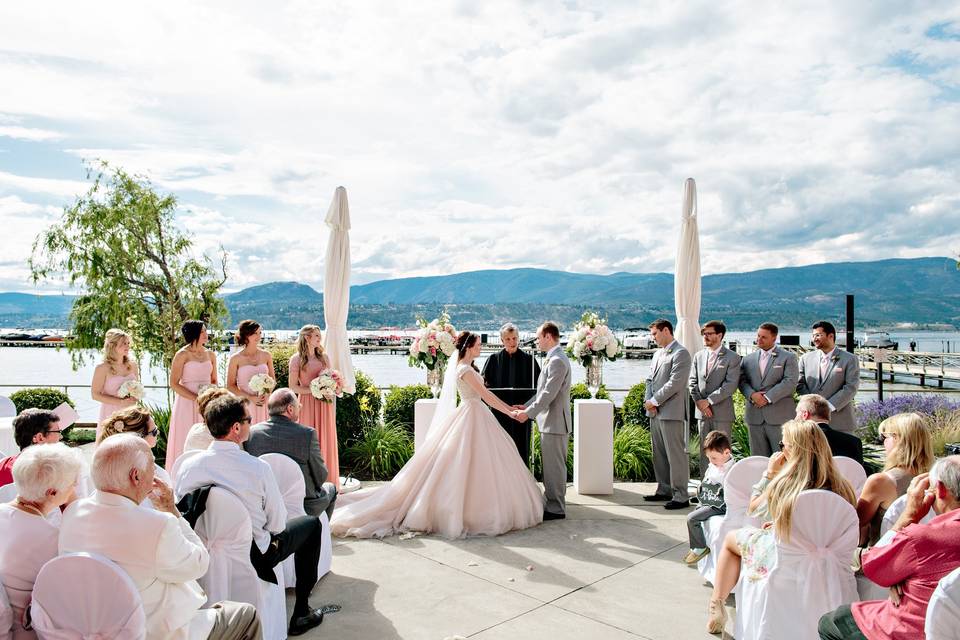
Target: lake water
20	367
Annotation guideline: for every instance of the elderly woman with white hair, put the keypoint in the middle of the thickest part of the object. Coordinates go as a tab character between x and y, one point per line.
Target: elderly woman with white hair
46	479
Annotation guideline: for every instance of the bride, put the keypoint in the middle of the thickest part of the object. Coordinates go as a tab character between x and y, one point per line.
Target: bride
466	479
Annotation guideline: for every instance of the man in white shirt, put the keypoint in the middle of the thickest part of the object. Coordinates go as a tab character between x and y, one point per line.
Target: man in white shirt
225	464
155	546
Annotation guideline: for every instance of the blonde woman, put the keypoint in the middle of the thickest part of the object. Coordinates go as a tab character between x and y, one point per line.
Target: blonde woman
805	462
909	452
308	363
117	367
246	363
193	367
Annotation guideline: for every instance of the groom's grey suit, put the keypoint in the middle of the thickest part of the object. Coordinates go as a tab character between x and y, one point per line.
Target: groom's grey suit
551	406
667	388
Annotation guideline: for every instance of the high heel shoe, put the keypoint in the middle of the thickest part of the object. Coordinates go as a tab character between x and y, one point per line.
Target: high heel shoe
717	619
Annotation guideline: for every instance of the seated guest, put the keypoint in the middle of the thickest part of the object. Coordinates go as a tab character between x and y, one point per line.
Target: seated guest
46	478
281	433
199	436
224	464
805	462
909	452
136	420
816	408
911	564
32	426
716	447
159	550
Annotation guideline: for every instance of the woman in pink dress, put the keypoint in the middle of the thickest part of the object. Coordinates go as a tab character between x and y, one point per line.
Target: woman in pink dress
193	366
308	363
117	367
245	364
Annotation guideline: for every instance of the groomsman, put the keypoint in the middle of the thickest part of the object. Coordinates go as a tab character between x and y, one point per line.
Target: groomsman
713	379
768	378
666	404
832	373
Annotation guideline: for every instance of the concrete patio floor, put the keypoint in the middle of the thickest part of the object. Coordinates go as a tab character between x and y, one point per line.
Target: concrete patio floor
612	569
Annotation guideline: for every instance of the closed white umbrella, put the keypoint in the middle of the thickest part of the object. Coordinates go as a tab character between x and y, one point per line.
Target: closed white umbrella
336	289
686	281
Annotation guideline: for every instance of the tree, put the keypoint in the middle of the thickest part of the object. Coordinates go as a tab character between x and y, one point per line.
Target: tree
119	245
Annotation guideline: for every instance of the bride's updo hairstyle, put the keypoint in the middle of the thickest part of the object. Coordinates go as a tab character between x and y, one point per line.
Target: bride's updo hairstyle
464	341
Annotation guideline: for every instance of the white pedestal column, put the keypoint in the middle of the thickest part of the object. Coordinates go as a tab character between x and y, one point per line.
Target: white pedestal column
593	447
423	412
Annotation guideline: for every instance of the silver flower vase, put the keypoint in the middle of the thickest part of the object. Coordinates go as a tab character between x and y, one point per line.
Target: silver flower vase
594	376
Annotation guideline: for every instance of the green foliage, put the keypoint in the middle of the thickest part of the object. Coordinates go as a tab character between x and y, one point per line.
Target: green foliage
380	452
580	391
281	352
75	437
161	418
357	412
874	457
632	454
632	411
120	245
399	405
39	398
693	453
740	432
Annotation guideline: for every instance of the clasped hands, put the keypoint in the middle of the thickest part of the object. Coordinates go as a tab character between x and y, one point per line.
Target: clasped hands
519	413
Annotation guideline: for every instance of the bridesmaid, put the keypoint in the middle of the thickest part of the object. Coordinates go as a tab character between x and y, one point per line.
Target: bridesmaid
245	364
193	366
309	362
117	367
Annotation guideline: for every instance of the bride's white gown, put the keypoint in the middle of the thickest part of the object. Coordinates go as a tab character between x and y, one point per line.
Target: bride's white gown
466	479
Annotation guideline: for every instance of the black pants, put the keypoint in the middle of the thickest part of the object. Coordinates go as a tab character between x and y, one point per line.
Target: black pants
839	625
300	539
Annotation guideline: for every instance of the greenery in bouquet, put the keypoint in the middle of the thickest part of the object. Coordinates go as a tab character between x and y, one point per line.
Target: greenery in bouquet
434	343
592	339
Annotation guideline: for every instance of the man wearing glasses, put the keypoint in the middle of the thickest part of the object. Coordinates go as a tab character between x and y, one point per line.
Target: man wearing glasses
32	426
713	379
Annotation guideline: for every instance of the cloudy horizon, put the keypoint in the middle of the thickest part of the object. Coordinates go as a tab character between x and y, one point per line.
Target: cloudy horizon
512	134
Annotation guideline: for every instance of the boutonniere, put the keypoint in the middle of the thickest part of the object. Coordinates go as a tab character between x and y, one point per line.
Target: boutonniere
835	358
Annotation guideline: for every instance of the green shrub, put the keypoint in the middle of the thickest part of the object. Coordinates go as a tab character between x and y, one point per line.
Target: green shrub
740	431
632	454
399	405
161	418
39	398
380	452
632	411
281	352
77	436
357	412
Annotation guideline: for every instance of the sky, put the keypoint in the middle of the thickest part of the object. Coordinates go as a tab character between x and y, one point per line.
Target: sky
493	135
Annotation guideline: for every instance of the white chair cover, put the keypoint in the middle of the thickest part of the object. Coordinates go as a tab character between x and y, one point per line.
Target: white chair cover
736	494
84	596
6	616
7	408
290	480
853	471
8	492
225	529
811	574
943	611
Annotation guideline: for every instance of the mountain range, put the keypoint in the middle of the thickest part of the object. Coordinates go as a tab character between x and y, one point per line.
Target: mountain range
924	291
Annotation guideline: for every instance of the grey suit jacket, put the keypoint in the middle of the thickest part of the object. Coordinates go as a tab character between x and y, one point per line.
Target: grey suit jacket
778	383
279	434
839	387
718	384
552	402
667	382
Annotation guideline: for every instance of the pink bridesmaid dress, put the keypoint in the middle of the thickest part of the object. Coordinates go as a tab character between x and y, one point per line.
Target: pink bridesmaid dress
111	387
244	373
185	413
320	415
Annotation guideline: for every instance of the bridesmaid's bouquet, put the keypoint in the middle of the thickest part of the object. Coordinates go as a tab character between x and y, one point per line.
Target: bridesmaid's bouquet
434	343
132	389
592	339
327	386
262	384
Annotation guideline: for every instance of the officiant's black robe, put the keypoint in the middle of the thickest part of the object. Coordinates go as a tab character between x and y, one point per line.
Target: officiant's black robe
514	380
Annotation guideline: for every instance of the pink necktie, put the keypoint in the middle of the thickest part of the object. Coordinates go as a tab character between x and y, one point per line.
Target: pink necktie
712	361
764	359
824	367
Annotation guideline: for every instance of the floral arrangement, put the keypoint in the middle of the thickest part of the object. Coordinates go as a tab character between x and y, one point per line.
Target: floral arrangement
434	343
131	389
327	386
592	339
262	384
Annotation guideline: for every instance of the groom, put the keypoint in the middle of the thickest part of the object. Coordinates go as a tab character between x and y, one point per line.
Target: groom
552	405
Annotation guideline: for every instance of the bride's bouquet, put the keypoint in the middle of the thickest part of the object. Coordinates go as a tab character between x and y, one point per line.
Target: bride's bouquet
434	343
261	384
327	386
131	389
592	339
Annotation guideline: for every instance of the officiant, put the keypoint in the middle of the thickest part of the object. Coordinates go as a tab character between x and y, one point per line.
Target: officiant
511	374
